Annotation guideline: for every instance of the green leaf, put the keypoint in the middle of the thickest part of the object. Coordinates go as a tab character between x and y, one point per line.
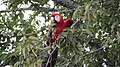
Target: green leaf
113	26
78	13
2	26
87	1
16	64
33	51
89	32
74	60
32	38
87	7
24	52
118	36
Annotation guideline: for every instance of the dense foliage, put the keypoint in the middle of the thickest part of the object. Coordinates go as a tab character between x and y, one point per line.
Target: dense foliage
93	42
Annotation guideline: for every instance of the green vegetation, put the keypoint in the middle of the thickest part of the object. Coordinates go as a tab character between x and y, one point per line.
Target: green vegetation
93	42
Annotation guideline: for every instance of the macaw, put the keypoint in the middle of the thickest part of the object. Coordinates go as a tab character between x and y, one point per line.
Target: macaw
60	25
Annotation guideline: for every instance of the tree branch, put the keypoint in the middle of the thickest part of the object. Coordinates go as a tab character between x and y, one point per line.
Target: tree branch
41	9
92	52
67	3
52	58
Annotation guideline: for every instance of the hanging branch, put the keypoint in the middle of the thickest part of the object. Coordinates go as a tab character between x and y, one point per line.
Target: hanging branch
52	58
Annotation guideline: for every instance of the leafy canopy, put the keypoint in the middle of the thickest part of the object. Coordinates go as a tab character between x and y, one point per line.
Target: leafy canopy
23	41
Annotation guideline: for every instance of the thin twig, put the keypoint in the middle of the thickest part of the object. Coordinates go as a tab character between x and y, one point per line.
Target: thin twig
91	52
73	25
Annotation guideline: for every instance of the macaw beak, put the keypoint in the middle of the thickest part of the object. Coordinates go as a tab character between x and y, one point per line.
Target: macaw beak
52	19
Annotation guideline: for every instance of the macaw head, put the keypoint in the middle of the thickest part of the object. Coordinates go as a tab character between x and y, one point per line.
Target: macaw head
57	19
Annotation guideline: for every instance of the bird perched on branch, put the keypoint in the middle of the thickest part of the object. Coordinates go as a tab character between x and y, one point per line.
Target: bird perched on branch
59	26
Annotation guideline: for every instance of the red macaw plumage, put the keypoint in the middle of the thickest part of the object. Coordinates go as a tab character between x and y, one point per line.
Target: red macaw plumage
59	19
60	26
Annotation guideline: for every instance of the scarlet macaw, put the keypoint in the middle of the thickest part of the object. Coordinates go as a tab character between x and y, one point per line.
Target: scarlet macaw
60	25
